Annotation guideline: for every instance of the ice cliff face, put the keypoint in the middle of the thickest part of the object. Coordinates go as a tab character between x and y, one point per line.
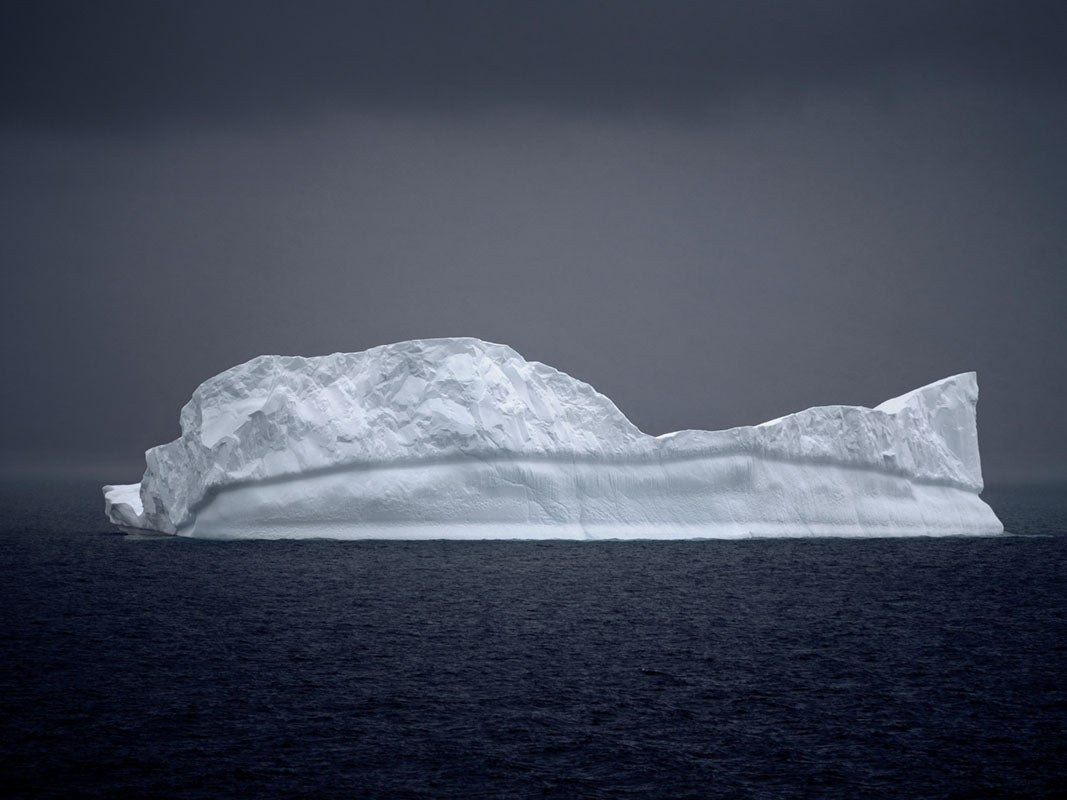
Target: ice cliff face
478	420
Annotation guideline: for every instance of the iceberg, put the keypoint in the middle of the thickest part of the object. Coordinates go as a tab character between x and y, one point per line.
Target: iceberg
465	439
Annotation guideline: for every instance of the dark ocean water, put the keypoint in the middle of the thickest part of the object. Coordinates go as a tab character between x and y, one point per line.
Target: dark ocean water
924	668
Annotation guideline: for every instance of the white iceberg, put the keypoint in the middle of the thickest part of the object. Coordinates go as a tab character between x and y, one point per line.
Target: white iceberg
461	438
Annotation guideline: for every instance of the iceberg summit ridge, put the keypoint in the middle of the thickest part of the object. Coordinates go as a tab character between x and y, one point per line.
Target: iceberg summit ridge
462	438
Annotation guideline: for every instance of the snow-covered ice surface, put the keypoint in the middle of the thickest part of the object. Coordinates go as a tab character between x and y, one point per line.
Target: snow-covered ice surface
461	438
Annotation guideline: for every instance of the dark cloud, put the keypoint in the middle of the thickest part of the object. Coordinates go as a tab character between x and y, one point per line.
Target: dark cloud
715	213
107	63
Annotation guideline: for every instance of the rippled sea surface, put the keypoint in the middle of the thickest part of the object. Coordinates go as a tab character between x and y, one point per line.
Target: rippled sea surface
764	668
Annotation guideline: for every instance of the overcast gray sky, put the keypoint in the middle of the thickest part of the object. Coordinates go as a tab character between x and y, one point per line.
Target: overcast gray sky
716	213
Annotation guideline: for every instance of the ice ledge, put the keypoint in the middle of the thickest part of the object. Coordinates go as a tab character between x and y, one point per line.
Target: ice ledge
122	505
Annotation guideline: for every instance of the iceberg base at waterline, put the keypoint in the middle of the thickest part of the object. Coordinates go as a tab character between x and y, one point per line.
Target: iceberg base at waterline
463	439
512	499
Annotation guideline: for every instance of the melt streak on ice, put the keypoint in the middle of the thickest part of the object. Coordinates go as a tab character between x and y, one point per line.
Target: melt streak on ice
461	438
